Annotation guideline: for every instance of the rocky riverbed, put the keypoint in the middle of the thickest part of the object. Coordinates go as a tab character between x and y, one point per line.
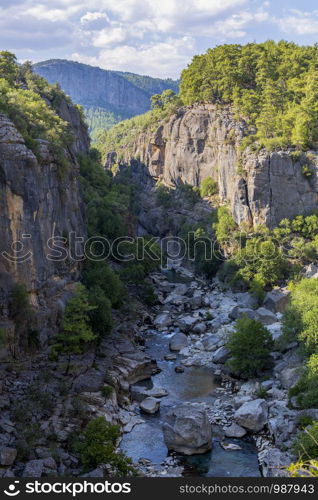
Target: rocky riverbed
167	366
253	426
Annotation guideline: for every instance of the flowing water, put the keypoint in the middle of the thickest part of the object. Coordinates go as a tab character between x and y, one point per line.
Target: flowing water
195	384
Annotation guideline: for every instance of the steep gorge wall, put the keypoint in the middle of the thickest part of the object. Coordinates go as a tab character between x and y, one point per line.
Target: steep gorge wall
38	200
203	140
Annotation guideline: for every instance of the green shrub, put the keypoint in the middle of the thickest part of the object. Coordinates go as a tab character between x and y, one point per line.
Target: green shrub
97	446
99	274
107	391
304	469
261	261
76	331
304	307
307	171
225	226
164	196
305	421
250	345
209	187
306	389
261	393
190	194
147	294
306	445
100	316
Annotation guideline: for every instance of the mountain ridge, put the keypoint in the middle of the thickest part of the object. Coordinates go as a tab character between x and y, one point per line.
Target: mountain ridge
115	95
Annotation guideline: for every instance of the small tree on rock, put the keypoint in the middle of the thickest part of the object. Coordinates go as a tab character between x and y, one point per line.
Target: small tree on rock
250	345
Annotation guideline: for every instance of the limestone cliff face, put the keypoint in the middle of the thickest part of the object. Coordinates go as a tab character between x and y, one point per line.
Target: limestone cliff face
203	140
96	87
38	201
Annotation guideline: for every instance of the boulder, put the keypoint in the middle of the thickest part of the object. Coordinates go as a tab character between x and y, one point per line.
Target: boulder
289	377
178	342
234	431
179	369
157	392
163	320
150	405
199	328
33	468
7	455
252	415
210	343
195	301
186	323
139	393
311	271
221	355
170	357
238	311
187	429
274	463
267	384
265	316
245	299
277	300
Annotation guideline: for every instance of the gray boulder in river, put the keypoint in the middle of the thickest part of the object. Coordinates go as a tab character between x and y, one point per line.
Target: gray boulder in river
187	429
178	342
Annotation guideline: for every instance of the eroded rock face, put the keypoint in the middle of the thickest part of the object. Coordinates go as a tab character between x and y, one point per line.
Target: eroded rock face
202	141
187	429
38	202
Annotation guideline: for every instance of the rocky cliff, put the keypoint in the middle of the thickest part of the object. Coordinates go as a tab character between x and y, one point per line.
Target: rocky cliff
125	94
204	140
38	200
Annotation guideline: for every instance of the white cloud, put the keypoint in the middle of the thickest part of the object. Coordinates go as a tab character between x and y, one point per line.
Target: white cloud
234	25
41	11
161	59
151	36
109	36
92	17
302	23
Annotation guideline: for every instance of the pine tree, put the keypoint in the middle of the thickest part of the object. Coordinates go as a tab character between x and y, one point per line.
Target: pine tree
76	331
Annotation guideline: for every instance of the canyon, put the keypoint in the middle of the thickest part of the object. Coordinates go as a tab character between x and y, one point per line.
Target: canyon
192	319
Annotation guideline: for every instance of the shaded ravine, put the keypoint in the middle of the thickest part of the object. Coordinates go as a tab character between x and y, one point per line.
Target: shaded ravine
195	384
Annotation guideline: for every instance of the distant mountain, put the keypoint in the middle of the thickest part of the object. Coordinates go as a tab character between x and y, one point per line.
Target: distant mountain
107	96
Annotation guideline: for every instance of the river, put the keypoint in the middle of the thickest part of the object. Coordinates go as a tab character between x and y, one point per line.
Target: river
195	384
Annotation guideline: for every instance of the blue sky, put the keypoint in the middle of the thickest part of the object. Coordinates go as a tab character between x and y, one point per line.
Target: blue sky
155	37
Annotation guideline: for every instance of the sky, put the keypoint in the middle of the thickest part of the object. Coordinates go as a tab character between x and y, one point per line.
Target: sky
152	37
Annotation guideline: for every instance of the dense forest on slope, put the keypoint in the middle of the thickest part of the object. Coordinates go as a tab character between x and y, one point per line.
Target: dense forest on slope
271	85
106	96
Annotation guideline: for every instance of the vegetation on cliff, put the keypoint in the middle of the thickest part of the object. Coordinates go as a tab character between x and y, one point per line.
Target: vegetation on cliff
31	103
273	86
125	133
263	258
